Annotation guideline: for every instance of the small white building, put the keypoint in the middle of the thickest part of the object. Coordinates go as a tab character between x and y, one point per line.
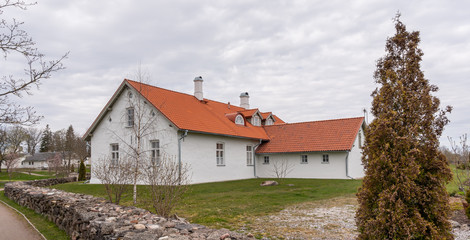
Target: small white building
220	141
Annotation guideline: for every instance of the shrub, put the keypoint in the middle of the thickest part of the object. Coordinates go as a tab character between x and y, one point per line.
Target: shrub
81	172
467	209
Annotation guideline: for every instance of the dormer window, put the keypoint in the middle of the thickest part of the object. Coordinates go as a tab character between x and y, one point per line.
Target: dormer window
269	121
239	120
256	120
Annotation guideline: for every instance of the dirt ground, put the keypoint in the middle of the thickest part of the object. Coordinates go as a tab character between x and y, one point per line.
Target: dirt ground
332	219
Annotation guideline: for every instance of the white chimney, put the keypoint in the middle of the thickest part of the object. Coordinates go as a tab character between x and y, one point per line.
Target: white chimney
198	88
245	100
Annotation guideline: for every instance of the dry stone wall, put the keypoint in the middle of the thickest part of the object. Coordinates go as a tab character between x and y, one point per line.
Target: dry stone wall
86	217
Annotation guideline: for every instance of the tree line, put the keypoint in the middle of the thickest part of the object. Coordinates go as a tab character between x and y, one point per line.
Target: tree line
17	140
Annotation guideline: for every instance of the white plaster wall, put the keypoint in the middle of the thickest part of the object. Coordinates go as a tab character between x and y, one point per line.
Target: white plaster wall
355	166
335	169
199	151
115	131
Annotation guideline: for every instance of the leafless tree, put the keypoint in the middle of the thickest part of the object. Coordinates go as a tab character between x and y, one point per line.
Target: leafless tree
140	119
33	138
56	164
11	161
115	176
281	168
16	42
461	158
166	184
80	148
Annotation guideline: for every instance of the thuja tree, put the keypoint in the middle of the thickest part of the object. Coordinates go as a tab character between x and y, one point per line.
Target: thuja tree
403	193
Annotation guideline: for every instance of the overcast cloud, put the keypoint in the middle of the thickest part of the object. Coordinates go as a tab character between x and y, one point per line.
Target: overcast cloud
302	60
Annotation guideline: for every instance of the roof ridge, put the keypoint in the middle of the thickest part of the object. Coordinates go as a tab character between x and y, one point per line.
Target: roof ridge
326	120
187	94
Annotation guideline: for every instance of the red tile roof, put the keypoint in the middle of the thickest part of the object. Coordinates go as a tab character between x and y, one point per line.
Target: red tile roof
188	113
328	135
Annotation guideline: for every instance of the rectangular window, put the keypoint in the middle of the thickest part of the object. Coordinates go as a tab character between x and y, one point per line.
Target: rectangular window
303	159
249	155
130	117
326	158
114	153
220	154
266	160
155	151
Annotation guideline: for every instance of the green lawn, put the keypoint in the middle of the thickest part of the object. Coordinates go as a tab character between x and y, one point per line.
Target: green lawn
17	176
47	228
452	186
232	204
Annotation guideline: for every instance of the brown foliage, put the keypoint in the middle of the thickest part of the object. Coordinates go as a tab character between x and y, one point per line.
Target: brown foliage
403	194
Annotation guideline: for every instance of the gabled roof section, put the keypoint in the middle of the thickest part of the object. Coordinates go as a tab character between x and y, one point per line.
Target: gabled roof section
328	135
266	115
186	112
250	112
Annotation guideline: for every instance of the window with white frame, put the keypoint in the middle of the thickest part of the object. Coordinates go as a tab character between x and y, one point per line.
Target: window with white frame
256	121
266	160
155	151
269	121
326	158
239	120
304	159
114	153
130	117
249	155
219	153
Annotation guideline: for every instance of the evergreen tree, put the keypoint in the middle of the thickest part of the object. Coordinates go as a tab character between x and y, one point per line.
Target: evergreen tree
403	194
69	143
82	172
46	140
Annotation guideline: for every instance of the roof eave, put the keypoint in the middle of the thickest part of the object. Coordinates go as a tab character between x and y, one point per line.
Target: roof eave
88	134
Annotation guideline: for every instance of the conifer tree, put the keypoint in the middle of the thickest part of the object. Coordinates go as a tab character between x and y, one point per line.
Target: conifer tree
46	140
403	194
82	172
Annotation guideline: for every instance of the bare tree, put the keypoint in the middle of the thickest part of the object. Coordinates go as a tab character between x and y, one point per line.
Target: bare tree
461	158
3	145
33	138
281	168
11	161
116	176
167	183
16	41
140	120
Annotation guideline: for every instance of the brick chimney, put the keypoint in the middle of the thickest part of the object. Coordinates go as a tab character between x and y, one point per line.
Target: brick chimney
198	88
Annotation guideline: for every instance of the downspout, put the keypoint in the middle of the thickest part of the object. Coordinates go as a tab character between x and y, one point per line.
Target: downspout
179	152
254	157
347	170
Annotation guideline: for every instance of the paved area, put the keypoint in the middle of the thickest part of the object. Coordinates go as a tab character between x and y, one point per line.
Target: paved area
14	226
34	174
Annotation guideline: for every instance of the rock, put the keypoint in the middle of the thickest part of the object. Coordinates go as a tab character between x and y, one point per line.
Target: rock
224	236
139	226
169	225
269	183
163	238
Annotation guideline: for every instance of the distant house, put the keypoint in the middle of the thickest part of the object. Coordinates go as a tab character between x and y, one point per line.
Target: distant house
39	160
221	141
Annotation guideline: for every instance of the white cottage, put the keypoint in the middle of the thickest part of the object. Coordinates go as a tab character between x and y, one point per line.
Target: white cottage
221	141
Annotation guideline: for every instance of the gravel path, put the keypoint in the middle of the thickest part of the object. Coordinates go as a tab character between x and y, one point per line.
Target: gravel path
13	226
331	219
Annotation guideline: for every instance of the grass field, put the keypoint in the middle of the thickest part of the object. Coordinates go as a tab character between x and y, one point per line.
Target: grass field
232	204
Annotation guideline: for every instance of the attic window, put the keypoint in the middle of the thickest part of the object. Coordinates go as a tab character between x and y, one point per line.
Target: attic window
239	120
256	121
130	95
152	113
269	121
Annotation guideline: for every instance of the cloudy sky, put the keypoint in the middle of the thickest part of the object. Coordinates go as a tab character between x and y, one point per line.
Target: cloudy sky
302	60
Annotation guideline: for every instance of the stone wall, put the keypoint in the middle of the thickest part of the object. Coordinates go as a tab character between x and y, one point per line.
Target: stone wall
86	217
